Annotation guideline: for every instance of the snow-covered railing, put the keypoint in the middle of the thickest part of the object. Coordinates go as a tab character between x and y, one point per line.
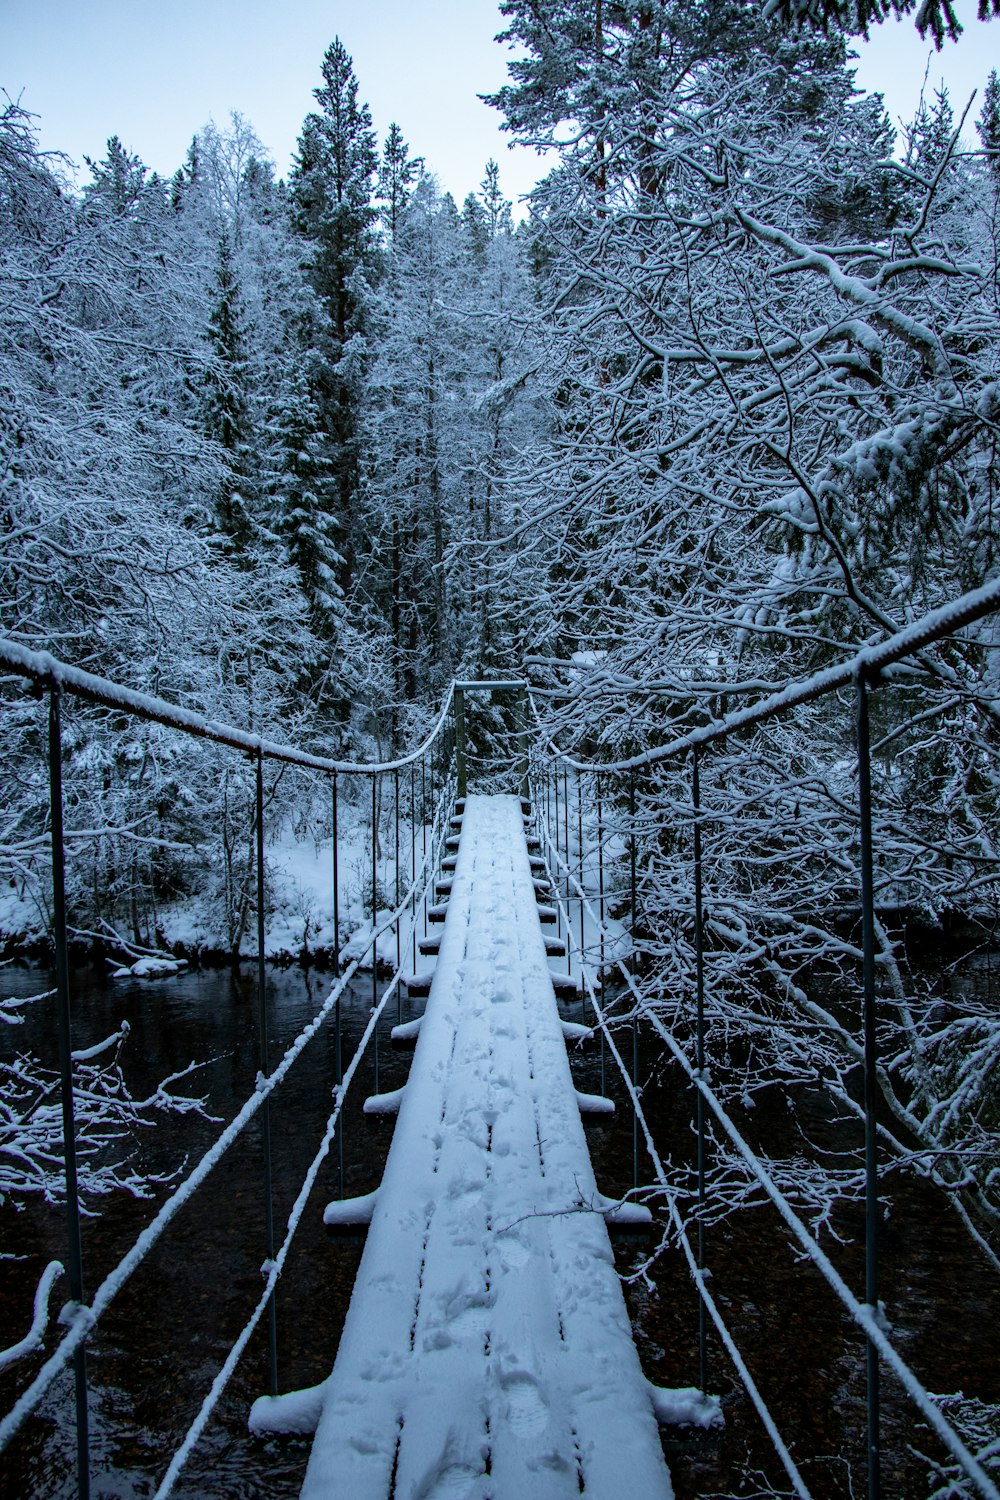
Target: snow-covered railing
553	766
435	787
50	673
867	665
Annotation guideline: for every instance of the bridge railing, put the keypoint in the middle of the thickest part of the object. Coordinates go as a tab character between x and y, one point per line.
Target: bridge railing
564	784
421	787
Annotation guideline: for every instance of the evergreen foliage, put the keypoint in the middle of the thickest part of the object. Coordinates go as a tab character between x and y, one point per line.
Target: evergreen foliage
397	173
721	412
937	18
333	209
988	124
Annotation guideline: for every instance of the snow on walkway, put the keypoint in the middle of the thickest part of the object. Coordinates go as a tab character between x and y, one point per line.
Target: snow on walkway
487	1353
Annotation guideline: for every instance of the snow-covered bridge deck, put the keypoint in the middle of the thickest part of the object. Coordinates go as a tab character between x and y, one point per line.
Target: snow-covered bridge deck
487	1351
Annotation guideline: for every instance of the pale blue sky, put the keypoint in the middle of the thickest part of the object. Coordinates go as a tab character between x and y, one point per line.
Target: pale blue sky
154	71
895	58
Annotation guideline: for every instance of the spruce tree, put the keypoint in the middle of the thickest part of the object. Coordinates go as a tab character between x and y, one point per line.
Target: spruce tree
331	191
497	208
226	400
988	124
118	180
397	172
937	18
476	230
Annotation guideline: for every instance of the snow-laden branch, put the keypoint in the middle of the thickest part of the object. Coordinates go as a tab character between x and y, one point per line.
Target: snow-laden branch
40	1318
868	663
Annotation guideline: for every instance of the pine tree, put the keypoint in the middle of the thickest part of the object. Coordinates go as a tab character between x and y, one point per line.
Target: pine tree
936	17
118	179
476	230
304	518
930	133
497	208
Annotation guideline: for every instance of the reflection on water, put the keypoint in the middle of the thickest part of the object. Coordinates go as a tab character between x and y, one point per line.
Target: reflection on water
163	1340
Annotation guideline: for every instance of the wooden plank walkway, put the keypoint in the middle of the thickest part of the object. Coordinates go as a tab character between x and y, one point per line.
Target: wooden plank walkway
487	1352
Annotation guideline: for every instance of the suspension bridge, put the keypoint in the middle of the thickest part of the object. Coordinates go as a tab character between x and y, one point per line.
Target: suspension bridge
487	1351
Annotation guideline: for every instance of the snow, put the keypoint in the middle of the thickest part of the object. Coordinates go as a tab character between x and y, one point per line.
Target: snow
869	1320
594	1104
384	1104
33	1339
293	1415
685	1406
623	1213
85	1318
487	1319
299	882
347	1211
408	1031
150	968
869	662
50	672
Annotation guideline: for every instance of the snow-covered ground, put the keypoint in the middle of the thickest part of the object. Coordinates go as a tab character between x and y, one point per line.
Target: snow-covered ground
300	903
300	907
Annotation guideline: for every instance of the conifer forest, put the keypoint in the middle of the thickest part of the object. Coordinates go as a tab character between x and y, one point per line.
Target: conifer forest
715	409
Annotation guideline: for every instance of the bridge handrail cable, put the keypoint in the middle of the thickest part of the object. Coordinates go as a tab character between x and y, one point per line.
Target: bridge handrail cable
49	671
670	1195
869	663
273	1271
85	1318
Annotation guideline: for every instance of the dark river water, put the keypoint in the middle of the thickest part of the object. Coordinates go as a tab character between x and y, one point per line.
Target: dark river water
164	1338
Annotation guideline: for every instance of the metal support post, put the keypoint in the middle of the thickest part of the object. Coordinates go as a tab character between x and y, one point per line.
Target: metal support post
399	951
566	856
699	967
522	710
600	900
374	906
566	824
272	1321
338	1063
336	893
555	819
423	824
633	887
579	835
75	1246
460	745
871	1077
413	862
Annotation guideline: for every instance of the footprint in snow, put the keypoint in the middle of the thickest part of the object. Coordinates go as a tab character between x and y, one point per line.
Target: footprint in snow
527	1410
449	1478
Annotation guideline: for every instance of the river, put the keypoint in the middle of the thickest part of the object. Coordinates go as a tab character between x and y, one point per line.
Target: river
164	1338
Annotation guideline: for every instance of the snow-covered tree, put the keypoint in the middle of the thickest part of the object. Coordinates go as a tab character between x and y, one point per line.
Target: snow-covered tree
775	410
332	199
397	173
988	123
938	18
